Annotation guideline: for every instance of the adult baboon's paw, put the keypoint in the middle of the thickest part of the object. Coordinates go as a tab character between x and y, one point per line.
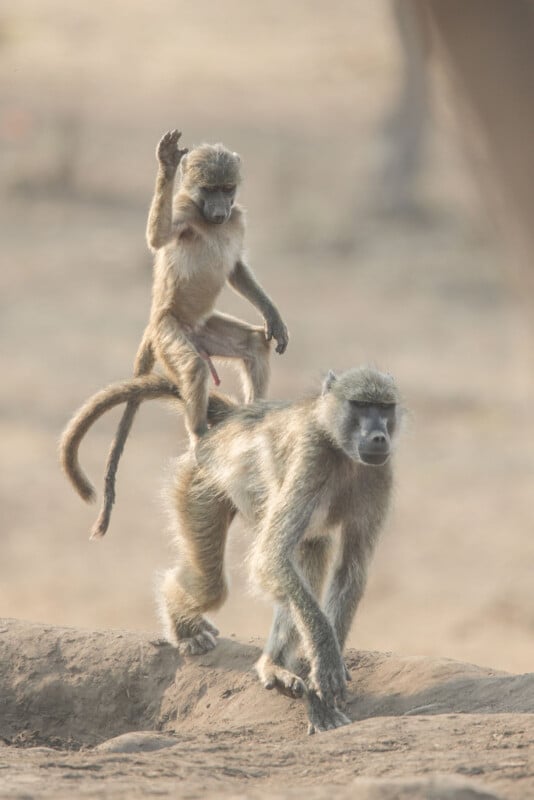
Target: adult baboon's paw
328	680
209	627
323	717
196	645
168	153
276	677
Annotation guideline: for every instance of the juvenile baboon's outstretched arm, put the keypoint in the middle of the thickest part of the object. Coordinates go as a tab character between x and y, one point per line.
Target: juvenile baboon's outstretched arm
242	280
159	224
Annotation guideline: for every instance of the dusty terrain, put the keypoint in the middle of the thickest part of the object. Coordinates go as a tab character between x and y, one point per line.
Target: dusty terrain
303	93
137	720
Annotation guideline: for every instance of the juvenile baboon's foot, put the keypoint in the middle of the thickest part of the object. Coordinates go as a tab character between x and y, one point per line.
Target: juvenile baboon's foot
322	716
168	153
274	676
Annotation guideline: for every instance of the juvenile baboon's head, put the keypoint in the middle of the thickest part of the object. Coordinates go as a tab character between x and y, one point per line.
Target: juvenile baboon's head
210	175
360	412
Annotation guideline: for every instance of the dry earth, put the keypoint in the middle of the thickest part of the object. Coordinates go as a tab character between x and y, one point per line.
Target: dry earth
114	714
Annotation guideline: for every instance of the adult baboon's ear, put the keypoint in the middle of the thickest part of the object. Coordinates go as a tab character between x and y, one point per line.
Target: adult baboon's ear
330	379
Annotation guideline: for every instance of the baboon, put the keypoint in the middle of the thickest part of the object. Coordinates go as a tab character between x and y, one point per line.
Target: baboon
298	473
197	238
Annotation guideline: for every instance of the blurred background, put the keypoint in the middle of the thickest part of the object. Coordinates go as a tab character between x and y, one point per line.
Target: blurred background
387	181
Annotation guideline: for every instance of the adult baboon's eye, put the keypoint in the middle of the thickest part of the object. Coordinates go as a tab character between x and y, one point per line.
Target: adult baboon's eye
358	404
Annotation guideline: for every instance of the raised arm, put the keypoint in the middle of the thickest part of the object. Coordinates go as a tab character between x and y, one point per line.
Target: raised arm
242	280
159	224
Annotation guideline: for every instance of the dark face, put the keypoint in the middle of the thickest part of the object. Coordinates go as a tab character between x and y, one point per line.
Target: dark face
369	431
215	203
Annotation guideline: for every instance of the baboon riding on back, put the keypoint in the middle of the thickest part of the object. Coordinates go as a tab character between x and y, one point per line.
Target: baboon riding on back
197	237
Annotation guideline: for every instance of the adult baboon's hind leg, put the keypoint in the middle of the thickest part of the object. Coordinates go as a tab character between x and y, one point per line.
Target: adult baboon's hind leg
197	583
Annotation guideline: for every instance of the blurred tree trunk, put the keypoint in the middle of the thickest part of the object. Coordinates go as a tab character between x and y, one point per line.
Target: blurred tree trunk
488	46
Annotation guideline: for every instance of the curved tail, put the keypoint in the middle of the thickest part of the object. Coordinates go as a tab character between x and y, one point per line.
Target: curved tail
137	390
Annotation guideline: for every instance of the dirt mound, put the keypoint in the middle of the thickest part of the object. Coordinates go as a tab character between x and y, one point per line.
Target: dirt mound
138	715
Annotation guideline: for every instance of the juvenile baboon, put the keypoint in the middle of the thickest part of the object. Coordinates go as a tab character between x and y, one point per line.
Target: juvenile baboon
298	473
197	239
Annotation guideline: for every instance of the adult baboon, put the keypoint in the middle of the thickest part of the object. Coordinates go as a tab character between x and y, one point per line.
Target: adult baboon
197	239
298	473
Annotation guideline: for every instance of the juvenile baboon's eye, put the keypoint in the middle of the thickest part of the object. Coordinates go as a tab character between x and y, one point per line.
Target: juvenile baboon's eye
228	189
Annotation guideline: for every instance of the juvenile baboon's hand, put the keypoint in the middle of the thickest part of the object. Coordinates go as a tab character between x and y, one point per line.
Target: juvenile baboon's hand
328	678
168	153
275	329
323	717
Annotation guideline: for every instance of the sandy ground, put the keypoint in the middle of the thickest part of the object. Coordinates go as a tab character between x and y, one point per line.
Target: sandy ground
112	714
302	92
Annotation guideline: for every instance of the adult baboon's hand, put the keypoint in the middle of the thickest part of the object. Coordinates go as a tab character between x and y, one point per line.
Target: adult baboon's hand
323	717
328	677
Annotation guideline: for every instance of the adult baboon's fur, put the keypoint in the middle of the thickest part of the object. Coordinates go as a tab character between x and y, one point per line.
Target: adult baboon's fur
197	239
312	479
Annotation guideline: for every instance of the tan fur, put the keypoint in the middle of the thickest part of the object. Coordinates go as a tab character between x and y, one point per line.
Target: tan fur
194	258
312	481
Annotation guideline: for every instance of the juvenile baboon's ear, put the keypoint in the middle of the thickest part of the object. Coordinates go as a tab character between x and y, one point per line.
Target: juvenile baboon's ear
183	163
330	379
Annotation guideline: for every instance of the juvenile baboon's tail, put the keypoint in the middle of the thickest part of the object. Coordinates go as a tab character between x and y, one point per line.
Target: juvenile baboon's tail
144	363
150	387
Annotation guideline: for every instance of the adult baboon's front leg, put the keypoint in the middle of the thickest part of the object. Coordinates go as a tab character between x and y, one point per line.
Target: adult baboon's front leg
348	580
274	562
279	666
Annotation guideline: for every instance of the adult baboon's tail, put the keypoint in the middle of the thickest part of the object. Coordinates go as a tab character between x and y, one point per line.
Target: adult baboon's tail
148	387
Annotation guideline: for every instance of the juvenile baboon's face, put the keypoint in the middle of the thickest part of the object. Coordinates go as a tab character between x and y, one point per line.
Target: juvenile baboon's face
215	202
211	175
361	412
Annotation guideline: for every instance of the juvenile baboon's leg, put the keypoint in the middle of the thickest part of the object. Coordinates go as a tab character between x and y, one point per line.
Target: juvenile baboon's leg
197	584
280	650
144	362
188	370
227	337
